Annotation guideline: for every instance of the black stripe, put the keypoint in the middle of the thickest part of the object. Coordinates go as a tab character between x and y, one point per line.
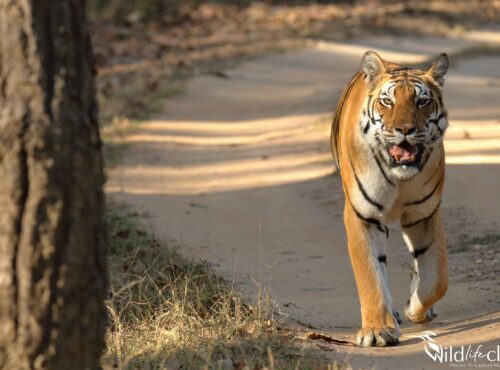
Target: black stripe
378	140
386	163
424	218
363	191
367	127
418	252
370	108
426	159
370	118
380	168
369	112
436	122
437	119
428	195
372	221
382	259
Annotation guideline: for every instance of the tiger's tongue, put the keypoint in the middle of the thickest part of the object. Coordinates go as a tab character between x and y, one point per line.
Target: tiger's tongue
404	152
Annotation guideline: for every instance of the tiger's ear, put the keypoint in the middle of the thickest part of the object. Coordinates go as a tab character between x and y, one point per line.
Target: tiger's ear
439	68
373	66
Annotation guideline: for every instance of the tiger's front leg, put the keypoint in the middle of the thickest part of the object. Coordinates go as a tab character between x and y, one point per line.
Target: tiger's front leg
379	327
425	239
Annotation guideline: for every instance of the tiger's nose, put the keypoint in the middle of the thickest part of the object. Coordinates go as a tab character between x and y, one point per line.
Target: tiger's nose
406	130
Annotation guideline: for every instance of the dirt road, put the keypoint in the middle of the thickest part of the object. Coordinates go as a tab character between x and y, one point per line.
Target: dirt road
238	170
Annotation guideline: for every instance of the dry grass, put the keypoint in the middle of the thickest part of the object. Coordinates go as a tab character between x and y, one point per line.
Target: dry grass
169	313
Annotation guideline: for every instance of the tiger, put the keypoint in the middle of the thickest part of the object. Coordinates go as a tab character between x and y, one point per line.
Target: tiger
387	143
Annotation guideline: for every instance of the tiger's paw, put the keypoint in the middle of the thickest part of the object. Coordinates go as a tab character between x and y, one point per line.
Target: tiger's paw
420	318
379	337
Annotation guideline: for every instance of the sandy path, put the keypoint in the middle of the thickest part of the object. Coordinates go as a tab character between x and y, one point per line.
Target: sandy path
238	170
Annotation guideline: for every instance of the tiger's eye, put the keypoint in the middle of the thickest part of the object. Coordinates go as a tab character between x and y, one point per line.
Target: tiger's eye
421	103
387	102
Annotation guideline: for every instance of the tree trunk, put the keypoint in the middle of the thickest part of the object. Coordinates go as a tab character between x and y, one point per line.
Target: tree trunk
52	234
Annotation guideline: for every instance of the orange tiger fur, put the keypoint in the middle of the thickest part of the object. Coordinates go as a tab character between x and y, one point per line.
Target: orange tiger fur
387	141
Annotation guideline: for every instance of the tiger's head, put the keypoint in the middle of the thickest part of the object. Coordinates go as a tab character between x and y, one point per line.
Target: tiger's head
404	117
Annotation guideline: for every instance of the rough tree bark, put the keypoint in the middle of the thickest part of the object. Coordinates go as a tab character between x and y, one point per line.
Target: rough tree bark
52	238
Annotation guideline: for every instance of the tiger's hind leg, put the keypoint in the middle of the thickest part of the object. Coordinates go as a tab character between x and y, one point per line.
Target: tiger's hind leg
379	326
426	242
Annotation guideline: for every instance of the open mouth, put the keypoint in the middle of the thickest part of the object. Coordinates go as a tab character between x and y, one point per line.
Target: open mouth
405	154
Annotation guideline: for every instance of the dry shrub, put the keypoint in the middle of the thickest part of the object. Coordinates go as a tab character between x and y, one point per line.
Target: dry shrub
167	312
